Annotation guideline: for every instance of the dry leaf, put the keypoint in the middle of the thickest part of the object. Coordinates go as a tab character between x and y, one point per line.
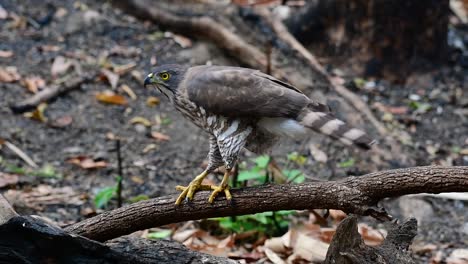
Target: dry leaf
137	76
184	42
86	162
160	136
326	234
128	91
49	48
125	51
371	236
310	249
276	244
273	257
140	120
111	77
7	179
153	60
33	84
458	256
3	13
152	101
111	98
38	113
182	236
318	154
62	121
137	180
60	65
43	195
149	148
122	69
337	215
9	74
6	53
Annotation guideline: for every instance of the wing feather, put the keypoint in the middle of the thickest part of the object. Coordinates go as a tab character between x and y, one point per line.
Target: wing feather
242	92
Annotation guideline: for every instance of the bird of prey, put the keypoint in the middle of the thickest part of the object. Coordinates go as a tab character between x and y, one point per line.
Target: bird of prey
241	107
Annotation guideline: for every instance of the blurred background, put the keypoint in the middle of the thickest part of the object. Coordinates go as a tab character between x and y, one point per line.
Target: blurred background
72	102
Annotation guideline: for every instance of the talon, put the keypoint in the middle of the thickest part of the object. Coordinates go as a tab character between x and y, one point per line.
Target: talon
217	190
189	191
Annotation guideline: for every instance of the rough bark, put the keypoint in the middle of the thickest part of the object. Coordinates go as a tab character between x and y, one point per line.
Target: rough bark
358	195
347	246
31	240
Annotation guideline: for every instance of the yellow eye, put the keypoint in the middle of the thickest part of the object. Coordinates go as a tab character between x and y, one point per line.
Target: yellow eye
164	76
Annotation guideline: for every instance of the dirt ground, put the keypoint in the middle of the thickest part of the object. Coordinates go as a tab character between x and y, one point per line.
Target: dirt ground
434	130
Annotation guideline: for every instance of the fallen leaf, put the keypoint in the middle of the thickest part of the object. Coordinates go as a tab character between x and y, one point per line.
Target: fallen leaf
458	256
137	76
111	98
7	179
49	48
6	53
326	234
111	77
276	244
153	60
128	91
86	163
182	236
137	179
43	195
273	257
371	237
125	51
152	101
184	42
318	154
122	69
337	215
9	74
140	120
33	84
62	121
3	13
38	113
60	65
160	136
149	148
310	249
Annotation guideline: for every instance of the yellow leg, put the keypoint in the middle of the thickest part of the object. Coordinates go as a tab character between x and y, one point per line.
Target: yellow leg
224	186
194	186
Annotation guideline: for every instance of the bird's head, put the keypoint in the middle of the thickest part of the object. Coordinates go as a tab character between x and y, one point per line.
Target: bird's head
166	78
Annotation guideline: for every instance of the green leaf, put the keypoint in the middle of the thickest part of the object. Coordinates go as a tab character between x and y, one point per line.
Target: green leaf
47	171
159	234
359	82
138	198
347	163
296	158
420	107
103	197
262	161
253	174
295	175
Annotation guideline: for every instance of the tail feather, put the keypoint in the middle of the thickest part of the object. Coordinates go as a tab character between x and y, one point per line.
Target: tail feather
328	124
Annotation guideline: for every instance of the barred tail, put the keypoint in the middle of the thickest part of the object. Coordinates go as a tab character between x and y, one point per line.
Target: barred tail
328	124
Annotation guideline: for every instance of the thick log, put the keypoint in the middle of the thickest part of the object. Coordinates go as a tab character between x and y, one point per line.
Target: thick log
358	195
31	240
347	246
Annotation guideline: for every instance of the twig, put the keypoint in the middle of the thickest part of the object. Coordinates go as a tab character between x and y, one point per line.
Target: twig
49	93
6	211
120	171
358	195
21	154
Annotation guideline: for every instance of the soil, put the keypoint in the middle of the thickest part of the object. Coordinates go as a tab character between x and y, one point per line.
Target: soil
431	136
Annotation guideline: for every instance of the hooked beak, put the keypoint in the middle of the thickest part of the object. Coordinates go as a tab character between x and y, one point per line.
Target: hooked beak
148	81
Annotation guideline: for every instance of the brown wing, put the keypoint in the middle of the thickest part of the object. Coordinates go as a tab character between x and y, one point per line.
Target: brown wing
242	92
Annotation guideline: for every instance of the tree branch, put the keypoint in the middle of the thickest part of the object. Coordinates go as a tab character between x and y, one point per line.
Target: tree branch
358	195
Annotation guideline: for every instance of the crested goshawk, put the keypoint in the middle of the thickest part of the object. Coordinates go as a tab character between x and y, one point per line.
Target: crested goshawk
242	107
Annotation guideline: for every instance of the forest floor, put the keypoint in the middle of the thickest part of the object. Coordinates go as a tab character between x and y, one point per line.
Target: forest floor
72	142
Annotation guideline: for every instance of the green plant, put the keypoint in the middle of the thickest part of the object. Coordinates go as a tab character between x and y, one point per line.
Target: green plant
104	195
140	197
46	171
159	234
346	163
269	223
258	172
